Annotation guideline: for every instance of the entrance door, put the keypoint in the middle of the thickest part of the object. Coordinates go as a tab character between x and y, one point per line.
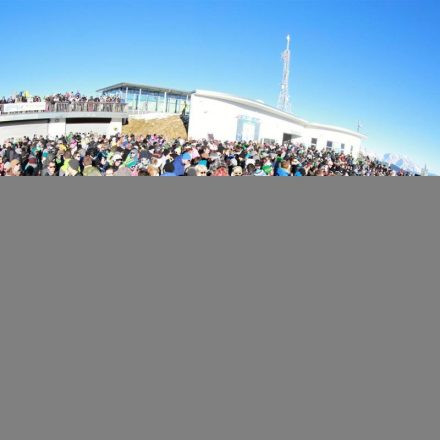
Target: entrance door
287	137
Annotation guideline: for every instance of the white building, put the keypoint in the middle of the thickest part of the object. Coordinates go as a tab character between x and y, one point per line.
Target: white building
29	119
226	117
211	114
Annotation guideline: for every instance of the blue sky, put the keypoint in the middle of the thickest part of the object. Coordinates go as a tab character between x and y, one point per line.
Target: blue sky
377	61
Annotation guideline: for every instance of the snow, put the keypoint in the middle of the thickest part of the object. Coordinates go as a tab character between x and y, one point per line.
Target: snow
402	162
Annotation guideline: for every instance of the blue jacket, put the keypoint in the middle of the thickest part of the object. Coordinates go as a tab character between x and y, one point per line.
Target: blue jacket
168	175
179	168
281	172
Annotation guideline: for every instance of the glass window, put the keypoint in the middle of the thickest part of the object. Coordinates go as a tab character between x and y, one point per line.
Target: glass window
160	105
329	145
314	141
171	106
181	106
342	147
152	105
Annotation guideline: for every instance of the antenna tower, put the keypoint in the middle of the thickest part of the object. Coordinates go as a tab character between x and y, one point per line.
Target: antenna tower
284	99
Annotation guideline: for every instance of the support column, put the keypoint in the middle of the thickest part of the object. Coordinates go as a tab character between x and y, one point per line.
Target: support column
57	127
114	127
165	96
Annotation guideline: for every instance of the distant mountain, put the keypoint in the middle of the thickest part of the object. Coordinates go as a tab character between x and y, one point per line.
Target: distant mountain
401	163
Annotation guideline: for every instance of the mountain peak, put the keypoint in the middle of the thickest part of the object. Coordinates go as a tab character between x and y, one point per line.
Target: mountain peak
402	162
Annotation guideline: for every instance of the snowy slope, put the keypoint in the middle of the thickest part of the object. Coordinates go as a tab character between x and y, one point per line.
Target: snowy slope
402	162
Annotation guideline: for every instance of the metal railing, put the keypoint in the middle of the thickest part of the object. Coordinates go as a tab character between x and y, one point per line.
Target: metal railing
64	107
90	106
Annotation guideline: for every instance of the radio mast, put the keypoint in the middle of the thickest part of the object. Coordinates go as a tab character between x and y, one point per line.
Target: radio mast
284	99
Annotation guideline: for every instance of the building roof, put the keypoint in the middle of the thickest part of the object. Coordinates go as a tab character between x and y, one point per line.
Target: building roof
145	87
259	106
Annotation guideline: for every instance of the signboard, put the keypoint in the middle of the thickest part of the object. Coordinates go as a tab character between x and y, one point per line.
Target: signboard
22	107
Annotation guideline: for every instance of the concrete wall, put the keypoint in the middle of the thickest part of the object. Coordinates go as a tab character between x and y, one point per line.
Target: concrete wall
114	127
217	114
19	129
18	126
87	127
57	127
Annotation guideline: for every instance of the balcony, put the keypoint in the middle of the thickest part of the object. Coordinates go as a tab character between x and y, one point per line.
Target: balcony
62	107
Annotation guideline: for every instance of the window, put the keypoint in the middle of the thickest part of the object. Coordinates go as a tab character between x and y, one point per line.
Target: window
342	148
314	142
171	105
329	145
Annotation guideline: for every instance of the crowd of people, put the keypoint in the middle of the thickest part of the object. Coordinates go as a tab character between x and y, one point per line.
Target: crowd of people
68	97
152	155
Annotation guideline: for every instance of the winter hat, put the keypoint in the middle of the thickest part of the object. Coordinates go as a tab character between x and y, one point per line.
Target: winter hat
74	164
219	163
130	163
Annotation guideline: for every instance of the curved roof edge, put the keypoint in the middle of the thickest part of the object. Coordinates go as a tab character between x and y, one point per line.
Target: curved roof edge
146	87
274	111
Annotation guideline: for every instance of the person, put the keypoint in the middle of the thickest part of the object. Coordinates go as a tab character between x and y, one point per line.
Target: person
139	155
89	169
237	171
13	169
181	163
201	170
219	169
117	160
50	170
283	169
64	159
268	170
169	170
72	168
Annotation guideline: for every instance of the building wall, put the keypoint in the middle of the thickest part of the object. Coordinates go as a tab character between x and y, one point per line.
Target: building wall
228	120
19	129
221	119
114	127
324	135
55	127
